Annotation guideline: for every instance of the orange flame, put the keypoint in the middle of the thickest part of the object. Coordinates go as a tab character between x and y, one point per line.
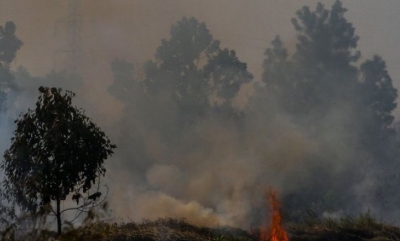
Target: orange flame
275	232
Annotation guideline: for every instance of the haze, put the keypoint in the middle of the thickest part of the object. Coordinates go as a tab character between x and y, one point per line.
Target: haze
154	174
138	26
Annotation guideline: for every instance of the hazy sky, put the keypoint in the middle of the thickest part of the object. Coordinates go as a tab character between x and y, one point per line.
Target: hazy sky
132	29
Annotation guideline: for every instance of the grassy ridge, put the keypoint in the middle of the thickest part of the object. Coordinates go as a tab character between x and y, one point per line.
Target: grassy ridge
162	229
363	228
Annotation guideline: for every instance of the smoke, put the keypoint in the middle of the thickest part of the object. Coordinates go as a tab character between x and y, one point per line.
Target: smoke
216	173
224	179
137	204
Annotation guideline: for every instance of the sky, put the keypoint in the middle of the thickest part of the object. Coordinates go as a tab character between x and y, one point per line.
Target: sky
133	29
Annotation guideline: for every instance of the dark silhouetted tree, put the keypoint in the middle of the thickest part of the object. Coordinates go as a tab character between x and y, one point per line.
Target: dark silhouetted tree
56	150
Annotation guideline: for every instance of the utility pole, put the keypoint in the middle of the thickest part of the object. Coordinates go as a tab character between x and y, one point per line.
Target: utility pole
71	24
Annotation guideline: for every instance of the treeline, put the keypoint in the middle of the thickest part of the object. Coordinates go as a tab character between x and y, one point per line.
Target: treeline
334	98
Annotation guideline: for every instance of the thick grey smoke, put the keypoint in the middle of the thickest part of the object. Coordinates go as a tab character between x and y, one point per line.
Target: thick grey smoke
218	173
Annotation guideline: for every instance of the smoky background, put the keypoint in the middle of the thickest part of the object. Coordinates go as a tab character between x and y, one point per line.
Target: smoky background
216	173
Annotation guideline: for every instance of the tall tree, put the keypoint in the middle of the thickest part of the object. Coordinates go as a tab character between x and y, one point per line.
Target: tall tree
277	77
190	79
192	71
321	70
324	55
323	88
176	71
56	150
139	111
379	98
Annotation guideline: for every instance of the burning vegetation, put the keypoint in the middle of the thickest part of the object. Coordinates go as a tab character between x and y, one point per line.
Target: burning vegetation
199	136
275	231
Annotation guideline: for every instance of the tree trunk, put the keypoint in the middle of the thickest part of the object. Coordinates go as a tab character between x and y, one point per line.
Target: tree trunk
58	214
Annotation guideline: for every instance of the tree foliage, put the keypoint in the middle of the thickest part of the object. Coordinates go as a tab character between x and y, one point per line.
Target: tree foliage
177	67
378	97
321	71
56	150
125	86
195	71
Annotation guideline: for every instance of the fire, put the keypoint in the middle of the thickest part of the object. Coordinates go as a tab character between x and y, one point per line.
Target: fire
275	232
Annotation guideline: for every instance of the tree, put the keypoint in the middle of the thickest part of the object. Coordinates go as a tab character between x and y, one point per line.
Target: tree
277	77
326	75
378	98
190	79
193	74
226	74
125	87
327	92
176	74
9	45
324	56
56	150
320	72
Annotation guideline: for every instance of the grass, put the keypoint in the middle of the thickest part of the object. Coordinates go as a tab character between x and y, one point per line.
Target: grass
159	230
362	228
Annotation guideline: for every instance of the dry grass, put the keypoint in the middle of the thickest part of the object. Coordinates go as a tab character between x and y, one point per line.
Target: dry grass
362	228
161	230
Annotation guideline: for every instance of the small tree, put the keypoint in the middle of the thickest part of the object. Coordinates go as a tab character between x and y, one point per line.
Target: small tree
56	150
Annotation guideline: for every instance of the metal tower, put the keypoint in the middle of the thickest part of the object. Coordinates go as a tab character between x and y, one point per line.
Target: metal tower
71	26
